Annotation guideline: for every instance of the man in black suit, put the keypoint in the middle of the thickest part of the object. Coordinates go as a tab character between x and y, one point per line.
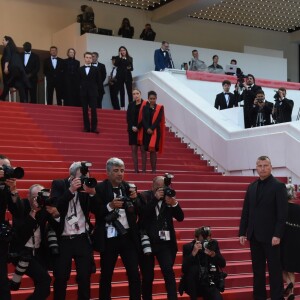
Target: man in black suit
248	96
262	223
73	200
261	110
162	57
102	70
118	229
225	99
156	213
90	80
53	70
32	67
282	110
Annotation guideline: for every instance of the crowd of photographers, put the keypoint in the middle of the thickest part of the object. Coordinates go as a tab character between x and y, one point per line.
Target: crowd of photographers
52	227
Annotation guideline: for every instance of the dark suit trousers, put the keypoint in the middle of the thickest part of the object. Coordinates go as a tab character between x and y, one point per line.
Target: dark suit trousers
128	85
113	90
57	86
260	253
4	287
32	92
80	250
88	100
124	246
166	258
99	99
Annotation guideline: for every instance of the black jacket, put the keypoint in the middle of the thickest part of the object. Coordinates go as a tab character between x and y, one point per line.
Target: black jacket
33	66
54	75
283	111
220	101
266	112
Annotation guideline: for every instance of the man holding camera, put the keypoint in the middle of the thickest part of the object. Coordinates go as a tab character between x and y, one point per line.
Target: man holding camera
261	110
202	260
157	208
27	248
282	110
118	232
74	195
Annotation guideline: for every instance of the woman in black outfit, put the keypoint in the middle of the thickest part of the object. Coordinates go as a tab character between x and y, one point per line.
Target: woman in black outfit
124	64
134	122
126	30
13	71
71	79
290	244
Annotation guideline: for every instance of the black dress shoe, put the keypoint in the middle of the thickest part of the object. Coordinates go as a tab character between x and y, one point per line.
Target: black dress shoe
291	297
86	130
288	289
95	131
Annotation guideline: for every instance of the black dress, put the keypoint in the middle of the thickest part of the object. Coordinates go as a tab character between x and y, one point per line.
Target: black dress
133	111
290	245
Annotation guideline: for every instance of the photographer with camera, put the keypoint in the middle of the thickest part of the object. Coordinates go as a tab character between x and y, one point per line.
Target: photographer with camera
74	195
29	244
201	265
157	208
8	192
118	231
282	110
261	110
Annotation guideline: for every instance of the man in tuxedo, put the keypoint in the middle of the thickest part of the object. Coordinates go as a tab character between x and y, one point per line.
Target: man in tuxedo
156	213
225	99
73	200
32	67
90	79
53	70
261	110
102	71
262	223
162	57
282	110
248	95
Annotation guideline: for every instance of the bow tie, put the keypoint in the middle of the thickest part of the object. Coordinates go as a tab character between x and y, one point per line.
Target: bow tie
226	93
87	66
54	57
27	52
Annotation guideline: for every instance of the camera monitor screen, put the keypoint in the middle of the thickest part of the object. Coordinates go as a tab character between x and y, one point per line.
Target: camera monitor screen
231	69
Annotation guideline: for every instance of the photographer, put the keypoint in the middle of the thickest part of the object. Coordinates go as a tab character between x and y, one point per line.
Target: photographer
118	232
74	196
157	208
201	262
27	248
282	110
261	110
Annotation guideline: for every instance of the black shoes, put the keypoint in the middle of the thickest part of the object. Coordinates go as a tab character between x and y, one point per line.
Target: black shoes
14	286
86	130
95	131
288	290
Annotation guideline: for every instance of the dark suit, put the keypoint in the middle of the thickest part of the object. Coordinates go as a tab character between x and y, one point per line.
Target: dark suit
261	116
102	70
248	95
89	92
164	251
283	111
263	217
124	245
54	79
71	82
221	103
31	69
75	247
114	89
162	60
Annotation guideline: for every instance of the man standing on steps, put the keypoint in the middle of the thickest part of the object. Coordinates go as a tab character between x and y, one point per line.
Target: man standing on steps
157	208
90	80
263	219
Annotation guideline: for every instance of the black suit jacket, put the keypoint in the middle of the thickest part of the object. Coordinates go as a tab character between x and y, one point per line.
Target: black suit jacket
54	75
264	217
124	68
89	83
33	66
249	95
102	70
266	113
220	101
149	221
283	111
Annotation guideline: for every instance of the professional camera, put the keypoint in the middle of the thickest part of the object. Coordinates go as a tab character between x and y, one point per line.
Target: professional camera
276	96
10	172
146	245
127	201
43	198
112	218
260	101
167	182
210	245
216	277
240	78
52	242
88	181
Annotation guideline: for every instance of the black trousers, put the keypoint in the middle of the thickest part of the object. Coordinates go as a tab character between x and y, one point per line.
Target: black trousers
260	253
123	246
99	99
80	250
113	90
128	84
57	86
4	287
32	91
87	101
166	258
195	289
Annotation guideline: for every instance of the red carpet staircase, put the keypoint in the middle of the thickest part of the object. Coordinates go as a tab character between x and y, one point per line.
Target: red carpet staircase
45	140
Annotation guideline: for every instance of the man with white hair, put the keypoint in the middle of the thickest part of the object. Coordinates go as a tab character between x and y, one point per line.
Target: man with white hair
73	198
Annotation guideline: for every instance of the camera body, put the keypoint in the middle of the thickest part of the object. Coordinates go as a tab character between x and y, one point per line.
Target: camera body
88	181
10	172
168	191
43	198
210	245
240	78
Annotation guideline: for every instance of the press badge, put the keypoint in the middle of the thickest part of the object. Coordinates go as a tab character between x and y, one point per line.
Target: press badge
72	220
111	231
164	235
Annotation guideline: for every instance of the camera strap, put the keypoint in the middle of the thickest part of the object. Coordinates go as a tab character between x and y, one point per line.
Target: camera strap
74	205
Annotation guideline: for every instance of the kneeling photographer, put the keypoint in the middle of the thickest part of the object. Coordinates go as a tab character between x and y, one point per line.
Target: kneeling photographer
74	196
202	260
157	208
261	110
29	245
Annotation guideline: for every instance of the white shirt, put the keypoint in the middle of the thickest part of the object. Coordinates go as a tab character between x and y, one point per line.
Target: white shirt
54	62
87	70
26	58
36	241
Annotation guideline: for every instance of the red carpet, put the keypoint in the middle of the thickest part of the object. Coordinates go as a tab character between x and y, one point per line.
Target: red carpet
44	140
